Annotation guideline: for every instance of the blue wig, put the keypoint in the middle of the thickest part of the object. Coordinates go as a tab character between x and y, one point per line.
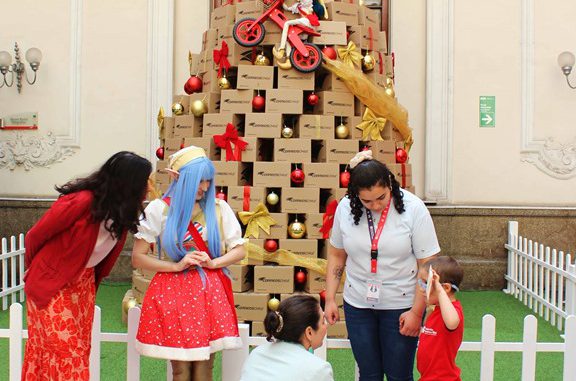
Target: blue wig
182	192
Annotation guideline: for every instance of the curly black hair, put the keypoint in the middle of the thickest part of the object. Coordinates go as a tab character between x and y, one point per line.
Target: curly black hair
366	175
119	188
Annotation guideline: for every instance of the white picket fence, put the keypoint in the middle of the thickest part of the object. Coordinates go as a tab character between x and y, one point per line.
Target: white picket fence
544	279
12	268
232	361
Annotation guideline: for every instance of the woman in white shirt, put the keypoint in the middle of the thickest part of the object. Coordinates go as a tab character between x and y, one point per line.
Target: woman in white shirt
295	329
381	236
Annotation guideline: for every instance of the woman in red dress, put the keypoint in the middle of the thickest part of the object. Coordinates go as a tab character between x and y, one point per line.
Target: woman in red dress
68	252
188	311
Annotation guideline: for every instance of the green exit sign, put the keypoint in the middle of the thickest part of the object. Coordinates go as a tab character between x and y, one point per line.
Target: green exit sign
487	111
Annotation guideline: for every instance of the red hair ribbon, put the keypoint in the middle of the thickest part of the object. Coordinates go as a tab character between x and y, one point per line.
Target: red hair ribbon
403	175
381	62
328	219
246	199
229	138
221	58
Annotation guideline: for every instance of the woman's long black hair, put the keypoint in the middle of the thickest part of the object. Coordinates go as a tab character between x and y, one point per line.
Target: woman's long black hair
367	174
119	188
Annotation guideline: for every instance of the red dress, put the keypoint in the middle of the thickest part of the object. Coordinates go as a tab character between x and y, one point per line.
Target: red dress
184	319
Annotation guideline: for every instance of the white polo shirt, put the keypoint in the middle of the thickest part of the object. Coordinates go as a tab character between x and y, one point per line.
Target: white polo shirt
405	238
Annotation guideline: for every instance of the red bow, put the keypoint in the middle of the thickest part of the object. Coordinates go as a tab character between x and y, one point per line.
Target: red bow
229	138
221	58
328	219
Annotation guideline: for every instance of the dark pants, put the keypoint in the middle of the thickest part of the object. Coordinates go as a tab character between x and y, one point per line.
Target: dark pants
378	346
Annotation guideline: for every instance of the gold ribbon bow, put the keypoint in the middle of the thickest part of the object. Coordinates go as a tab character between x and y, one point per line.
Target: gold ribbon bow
349	55
371	126
259	218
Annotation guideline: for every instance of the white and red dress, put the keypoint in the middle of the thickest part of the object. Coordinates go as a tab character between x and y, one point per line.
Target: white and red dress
182	317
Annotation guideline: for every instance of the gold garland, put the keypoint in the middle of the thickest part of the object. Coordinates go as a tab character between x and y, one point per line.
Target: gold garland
283	257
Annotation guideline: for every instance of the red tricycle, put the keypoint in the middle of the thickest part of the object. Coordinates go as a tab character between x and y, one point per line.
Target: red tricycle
304	56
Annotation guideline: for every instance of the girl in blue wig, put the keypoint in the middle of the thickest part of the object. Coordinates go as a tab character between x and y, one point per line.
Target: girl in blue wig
188	312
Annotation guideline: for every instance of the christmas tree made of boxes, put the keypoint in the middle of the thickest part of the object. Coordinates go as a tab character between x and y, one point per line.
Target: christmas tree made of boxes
280	131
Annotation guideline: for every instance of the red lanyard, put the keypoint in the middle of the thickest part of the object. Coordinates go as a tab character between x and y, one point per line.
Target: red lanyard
375	235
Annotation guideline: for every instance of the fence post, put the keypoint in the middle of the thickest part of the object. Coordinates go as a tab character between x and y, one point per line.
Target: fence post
529	348
570	349
487	347
95	345
21	265
132	356
233	360
4	284
15	342
571	288
512	241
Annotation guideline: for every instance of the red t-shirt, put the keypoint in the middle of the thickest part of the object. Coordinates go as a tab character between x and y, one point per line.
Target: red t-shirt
438	347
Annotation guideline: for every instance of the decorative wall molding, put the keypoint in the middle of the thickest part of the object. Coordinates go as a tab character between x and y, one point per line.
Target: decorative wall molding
556	159
439	99
32	151
159	90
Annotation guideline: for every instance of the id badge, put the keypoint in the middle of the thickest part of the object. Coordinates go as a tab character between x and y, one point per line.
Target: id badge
372	291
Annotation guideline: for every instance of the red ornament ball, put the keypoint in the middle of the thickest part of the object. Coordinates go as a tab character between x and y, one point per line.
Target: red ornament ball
221	195
258	103
193	85
270	245
330	52
160	153
297	176
344	179
300	277
323	295
312	99
401	156
182	146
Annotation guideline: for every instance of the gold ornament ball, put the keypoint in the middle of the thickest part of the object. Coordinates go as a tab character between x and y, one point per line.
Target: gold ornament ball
390	92
389	82
272	198
198	108
273	304
261	60
129	303
223	83
368	62
296	229
342	131
287	132
177	108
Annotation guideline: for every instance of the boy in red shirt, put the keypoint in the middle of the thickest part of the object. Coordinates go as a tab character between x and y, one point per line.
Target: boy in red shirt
441	335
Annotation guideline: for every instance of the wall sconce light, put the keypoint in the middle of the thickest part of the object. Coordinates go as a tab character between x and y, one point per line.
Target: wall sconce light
33	56
566	63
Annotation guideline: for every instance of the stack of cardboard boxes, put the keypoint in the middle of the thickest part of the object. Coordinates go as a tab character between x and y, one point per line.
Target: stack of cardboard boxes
270	157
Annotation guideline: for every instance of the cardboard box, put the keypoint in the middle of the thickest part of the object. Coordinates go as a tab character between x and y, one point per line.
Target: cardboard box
404	177
292	150
172	145
352	122
340	151
335	103
184	101
228	173
314	222
333	83
236	101
263	125
339	11
285	101
195	64
209	40
340	303
389	65
293	79
368	16
255	77
383	42
321	175
140	283
251	306
300	200
187	126
370	32
223	16
306	248
278	230
252	151
253	195
215	124
273	32
257	329
269	174
241	277
286	296
383	150
207	143
206	63
315	282
211	100
237	55
168	130
331	32
337	194
338	330
316	126
249	9
274	279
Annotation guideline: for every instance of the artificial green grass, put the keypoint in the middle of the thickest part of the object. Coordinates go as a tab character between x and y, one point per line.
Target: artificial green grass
508	311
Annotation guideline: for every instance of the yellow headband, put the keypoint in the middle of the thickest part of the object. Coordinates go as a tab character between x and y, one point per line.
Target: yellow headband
184	156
